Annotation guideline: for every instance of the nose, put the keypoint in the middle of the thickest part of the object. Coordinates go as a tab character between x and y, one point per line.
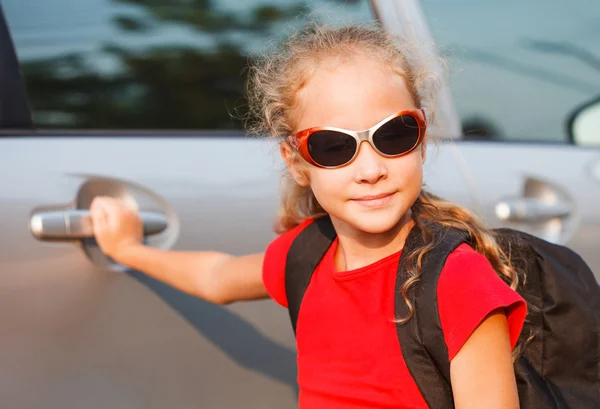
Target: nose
369	165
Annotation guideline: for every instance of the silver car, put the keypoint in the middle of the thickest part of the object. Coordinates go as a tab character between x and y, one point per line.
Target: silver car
139	99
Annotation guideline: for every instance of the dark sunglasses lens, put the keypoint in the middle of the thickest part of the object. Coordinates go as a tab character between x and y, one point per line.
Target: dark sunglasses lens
397	136
331	148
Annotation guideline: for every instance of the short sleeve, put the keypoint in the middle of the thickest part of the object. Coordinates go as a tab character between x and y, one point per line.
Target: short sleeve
274	263
468	291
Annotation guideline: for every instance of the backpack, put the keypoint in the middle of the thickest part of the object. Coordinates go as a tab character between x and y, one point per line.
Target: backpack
559	367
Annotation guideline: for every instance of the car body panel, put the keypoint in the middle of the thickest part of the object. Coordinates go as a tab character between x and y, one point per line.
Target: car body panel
499	170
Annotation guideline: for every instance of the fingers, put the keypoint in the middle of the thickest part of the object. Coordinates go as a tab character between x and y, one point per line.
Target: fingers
98	213
113	210
99	219
107	212
130	204
116	225
110	204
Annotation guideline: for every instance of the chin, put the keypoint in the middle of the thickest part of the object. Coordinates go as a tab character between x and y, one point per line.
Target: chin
375	222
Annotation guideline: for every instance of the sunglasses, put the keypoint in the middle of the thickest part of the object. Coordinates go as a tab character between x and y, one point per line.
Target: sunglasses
329	147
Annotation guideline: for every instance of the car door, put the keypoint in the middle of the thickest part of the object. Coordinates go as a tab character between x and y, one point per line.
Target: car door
139	100
519	72
77	330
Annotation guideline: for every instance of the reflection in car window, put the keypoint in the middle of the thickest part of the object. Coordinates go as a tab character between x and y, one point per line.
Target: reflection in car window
146	64
519	68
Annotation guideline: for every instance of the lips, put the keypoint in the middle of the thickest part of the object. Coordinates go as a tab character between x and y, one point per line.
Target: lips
374	201
374	197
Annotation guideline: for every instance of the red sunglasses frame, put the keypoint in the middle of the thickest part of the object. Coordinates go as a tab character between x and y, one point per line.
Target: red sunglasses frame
299	140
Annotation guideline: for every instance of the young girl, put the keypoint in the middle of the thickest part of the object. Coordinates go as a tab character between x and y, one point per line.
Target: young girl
348	106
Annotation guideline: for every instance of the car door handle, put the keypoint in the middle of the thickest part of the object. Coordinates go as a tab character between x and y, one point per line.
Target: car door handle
77	224
530	209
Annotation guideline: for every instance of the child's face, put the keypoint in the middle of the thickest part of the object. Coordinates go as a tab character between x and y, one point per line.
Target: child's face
356	95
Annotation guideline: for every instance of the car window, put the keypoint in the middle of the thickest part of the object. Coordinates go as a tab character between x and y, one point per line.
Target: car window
519	68
147	64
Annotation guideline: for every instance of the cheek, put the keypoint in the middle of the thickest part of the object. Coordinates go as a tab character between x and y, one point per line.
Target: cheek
329	184
407	171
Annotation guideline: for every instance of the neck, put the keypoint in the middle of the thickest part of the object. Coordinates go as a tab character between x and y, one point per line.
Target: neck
358	249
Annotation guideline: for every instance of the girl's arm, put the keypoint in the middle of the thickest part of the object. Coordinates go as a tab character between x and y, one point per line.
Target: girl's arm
216	277
482	372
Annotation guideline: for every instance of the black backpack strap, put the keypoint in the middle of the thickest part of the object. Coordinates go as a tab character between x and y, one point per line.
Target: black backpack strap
304	256
421	338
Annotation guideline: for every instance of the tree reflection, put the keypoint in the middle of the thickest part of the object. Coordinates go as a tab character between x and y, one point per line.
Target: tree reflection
172	86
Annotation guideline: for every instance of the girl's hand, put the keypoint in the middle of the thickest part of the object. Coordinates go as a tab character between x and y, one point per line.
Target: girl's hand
117	226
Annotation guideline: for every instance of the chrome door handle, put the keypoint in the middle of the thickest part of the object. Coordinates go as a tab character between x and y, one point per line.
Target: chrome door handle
77	224
530	209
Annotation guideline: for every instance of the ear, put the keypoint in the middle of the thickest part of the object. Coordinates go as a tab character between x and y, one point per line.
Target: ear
294	164
423	151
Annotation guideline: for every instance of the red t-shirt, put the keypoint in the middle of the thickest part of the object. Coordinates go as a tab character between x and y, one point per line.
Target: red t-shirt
348	350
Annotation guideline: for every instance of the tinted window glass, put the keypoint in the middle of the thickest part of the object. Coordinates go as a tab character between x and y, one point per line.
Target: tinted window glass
176	64
519	67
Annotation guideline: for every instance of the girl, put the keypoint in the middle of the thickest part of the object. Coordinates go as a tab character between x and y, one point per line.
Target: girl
349	106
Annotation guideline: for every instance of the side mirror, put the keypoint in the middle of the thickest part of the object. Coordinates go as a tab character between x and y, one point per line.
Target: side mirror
584	125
